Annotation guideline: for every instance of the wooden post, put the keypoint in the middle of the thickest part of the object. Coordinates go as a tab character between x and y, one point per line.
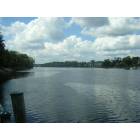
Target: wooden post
18	107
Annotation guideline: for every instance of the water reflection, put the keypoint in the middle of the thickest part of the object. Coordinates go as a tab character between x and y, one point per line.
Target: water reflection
77	94
1	95
5	99
22	74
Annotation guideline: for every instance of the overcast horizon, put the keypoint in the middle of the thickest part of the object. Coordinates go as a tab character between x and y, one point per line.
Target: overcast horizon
81	39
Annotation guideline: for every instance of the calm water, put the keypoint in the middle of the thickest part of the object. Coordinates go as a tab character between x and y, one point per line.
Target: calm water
77	94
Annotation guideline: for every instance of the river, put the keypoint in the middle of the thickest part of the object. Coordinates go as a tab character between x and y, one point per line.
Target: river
76	94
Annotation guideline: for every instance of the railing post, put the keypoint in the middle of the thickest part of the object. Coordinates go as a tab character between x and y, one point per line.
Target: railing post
18	107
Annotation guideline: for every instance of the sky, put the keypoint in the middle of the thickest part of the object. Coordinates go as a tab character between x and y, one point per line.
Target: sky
72	38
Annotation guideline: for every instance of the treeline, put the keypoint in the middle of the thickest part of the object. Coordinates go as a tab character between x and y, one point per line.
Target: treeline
91	63
68	64
126	62
13	59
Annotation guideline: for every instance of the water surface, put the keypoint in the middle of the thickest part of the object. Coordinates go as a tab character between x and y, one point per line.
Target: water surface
77	94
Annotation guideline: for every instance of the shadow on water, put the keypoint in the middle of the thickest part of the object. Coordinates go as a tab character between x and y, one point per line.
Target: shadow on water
3	95
21	74
14	75
76	95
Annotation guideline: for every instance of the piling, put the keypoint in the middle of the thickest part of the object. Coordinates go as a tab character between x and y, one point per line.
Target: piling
18	107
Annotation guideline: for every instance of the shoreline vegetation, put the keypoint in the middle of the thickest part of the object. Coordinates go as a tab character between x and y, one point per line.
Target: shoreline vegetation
126	63
12	61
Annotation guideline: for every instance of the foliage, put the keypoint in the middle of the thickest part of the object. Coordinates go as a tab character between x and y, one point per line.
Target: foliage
67	64
125	62
13	59
2	45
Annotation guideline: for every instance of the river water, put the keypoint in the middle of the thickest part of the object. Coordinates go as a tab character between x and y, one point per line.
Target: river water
76	94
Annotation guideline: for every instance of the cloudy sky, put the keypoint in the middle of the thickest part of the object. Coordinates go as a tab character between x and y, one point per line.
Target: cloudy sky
82	39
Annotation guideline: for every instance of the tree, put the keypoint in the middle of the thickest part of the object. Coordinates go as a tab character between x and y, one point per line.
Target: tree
107	63
135	61
13	59
127	61
2	44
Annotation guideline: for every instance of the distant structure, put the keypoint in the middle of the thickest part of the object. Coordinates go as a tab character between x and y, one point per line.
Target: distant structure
98	64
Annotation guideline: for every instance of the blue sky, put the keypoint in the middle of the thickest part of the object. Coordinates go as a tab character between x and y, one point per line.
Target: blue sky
7	21
72	30
79	38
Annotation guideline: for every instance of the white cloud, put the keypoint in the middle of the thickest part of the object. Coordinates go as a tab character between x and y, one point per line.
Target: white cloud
34	33
71	48
14	29
128	42
74	48
114	26
43	38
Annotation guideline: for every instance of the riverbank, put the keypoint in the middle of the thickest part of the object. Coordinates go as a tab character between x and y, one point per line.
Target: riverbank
9	73
5	73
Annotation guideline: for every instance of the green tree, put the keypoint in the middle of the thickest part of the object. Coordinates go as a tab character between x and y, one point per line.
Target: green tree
2	44
135	61
107	63
127	61
13	59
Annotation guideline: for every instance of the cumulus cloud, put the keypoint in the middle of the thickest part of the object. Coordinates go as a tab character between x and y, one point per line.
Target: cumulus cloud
14	29
74	48
71	48
128	42
35	32
45	40
89	22
109	26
